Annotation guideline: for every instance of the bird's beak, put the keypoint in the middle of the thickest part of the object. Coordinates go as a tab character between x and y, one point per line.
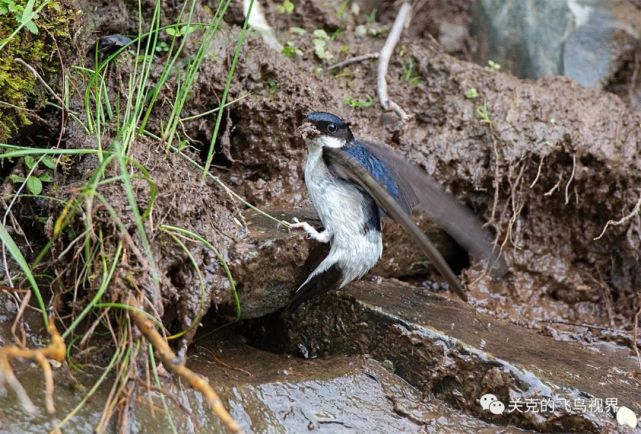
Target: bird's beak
308	130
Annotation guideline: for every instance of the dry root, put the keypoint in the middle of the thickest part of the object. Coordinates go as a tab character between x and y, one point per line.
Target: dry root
177	366
634	212
56	350
402	20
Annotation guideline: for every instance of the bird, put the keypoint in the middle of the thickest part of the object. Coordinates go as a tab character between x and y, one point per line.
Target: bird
353	184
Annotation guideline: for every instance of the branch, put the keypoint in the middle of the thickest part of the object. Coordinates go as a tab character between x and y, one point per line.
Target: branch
401	21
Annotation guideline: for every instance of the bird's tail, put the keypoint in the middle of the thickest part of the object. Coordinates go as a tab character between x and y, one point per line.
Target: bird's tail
316	284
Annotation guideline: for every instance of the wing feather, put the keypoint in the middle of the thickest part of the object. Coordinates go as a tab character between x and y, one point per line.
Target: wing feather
348	168
425	194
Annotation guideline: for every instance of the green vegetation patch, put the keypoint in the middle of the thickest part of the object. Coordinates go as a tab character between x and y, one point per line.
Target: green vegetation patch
36	44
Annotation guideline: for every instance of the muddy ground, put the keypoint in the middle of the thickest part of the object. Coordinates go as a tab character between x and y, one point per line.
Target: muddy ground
545	163
549	166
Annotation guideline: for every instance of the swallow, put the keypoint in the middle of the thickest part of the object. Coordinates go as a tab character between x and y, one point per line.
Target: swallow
353	184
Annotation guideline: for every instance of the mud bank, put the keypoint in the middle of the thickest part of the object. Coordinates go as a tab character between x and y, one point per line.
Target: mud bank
546	163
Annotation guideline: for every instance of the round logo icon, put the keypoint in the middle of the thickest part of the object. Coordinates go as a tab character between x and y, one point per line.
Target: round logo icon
487	399
497	407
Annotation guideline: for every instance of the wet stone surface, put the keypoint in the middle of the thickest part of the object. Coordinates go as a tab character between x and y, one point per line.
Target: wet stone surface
447	350
268	392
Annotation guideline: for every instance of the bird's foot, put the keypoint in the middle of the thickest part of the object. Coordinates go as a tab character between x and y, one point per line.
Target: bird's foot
310	232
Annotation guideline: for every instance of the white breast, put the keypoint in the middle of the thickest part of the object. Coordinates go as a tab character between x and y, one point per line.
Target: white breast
340	206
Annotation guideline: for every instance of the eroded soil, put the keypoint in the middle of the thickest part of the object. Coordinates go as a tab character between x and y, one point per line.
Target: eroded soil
546	163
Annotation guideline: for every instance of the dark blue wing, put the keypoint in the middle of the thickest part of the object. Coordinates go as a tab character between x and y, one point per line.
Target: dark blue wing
376	167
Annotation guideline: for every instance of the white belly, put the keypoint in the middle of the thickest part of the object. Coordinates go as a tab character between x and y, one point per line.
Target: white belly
342	210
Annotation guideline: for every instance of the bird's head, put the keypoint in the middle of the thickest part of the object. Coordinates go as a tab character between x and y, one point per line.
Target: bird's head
325	129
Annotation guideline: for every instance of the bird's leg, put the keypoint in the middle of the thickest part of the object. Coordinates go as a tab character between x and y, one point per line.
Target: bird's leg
322	237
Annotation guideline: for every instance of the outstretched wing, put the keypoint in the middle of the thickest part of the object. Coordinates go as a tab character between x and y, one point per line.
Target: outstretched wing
426	195
348	167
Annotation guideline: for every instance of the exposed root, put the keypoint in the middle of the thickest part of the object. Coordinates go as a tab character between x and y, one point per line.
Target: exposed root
538	172
401	21
56	350
177	366
567	186
635	338
354	60
258	22
516	207
554	187
634	212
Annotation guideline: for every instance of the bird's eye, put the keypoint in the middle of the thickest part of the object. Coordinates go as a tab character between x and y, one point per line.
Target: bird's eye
331	128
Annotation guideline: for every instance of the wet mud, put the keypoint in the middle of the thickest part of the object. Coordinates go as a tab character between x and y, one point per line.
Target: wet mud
546	163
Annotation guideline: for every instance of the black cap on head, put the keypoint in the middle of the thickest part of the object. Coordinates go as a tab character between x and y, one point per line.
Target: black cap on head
330	125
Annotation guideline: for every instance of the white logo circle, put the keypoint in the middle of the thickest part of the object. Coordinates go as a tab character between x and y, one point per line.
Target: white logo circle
497	407
487	399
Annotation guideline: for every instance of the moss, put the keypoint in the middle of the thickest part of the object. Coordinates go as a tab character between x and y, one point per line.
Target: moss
19	91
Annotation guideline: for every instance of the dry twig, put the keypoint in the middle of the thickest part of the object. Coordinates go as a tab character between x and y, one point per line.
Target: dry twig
401	21
354	60
170	361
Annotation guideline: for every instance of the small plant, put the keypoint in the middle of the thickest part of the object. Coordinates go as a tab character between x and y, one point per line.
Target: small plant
342	9
291	50
471	93
483	113
162	47
274	87
355	103
493	65
286	7
179	31
34	181
297	31
23	14
409	74
320	45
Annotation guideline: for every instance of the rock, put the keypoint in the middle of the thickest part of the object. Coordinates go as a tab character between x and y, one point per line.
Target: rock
447	350
272	265
267	392
586	40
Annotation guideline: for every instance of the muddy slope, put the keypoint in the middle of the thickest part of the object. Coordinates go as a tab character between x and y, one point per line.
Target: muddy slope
546	163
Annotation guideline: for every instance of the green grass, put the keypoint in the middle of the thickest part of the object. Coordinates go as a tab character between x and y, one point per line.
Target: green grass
116	121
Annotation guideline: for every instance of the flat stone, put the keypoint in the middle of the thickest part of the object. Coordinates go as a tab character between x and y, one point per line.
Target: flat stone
445	348
268	392
274	262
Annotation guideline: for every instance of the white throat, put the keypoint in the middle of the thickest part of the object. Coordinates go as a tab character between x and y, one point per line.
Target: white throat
323	141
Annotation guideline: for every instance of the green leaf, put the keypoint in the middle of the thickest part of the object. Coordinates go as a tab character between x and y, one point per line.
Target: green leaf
357	103
34	185
185	30
297	31
16	178
172	31
15	252
287	7
46	177
471	93
28	16
29	161
31	26
49	162
321	34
